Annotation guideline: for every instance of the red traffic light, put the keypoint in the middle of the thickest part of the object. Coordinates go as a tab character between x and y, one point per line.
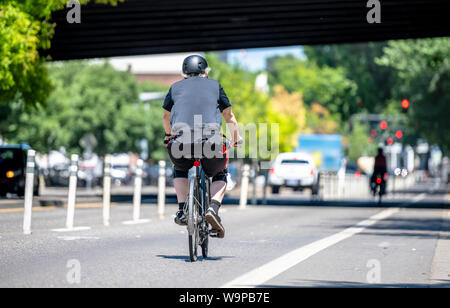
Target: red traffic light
383	125
405	104
399	134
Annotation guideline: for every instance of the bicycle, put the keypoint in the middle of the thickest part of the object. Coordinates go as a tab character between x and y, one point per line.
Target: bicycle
378	186
196	206
197	203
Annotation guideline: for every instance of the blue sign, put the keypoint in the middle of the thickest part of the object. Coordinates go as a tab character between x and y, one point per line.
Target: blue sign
326	150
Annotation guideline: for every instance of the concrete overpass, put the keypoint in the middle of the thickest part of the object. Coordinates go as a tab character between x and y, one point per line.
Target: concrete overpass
139	27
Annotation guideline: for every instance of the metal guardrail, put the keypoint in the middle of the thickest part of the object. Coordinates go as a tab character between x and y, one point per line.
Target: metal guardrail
348	186
332	186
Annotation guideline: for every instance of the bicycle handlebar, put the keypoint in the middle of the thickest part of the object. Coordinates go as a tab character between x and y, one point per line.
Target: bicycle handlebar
227	141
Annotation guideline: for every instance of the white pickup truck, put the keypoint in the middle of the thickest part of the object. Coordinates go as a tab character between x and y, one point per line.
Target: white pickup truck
295	170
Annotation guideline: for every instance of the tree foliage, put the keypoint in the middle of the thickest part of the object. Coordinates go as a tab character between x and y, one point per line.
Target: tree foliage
249	105
375	83
321	121
289	111
26	28
357	143
423	68
89	99
325	85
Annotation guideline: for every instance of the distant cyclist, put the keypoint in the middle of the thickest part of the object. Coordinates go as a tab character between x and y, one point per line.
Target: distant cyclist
193	111
379	171
380	167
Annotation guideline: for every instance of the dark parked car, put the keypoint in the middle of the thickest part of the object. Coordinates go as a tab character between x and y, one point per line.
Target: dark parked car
352	168
151	174
13	160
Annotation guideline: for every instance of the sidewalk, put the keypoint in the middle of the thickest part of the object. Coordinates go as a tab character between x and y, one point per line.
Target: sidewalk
440	269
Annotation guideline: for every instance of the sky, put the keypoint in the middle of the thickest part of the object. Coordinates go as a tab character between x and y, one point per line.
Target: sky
251	59
255	59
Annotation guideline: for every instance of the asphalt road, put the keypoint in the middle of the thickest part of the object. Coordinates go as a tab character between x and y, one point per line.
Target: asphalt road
316	245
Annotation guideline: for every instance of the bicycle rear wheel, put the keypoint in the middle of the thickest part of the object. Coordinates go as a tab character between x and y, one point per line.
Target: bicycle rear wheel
206	198
192	248
193	232
205	247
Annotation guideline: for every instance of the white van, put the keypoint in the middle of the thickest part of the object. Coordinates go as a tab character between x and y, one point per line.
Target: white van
295	170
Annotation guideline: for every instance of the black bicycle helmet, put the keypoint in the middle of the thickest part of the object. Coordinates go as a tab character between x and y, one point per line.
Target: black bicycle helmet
194	64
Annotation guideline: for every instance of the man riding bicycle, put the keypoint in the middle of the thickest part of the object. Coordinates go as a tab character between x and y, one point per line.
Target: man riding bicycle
380	167
379	172
192	123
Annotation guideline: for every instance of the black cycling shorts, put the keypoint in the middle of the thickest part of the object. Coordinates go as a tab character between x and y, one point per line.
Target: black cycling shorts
214	167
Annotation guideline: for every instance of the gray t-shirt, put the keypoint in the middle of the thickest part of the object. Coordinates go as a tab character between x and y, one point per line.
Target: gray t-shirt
196	104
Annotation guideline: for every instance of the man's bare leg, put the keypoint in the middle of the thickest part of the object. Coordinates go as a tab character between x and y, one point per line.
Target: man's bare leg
182	188
217	194
218	190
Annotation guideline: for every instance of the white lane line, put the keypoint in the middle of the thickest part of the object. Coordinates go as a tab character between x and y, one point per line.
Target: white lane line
419	198
136	222
76	238
74	229
268	271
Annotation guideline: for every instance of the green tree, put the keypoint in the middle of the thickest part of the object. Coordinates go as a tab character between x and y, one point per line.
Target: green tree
288	110
26	28
375	82
325	85
89	99
357	143
156	149
423	68
249	104
321	121
147	86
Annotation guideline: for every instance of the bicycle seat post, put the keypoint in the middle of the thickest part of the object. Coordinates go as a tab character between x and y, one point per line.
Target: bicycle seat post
197	168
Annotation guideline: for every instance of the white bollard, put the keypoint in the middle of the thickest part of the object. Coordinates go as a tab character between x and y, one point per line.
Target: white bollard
254	192
73	170
323	179
29	188
72	192
137	191
244	187
341	184
326	186
162	189
352	187
107	190
358	188
333	186
366	187
137	197
264	200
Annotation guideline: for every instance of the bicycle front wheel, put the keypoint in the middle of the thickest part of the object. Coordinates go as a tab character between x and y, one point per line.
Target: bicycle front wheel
192	221
205	247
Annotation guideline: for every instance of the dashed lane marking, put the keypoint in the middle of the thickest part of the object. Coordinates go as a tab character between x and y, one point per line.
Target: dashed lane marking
272	269
49	208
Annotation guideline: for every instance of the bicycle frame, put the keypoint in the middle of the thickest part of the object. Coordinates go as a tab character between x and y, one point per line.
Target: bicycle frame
378	186
198	203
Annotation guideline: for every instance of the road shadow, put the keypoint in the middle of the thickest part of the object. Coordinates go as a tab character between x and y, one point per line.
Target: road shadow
350	284
402	203
408	227
200	258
